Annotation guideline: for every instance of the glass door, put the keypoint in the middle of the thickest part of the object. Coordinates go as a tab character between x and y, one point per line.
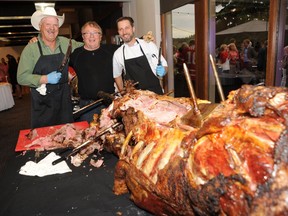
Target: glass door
183	39
241	43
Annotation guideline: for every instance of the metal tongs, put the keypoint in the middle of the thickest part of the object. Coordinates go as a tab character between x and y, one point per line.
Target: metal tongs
87	142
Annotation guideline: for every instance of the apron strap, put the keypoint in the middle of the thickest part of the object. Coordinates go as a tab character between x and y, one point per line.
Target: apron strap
40	49
140	49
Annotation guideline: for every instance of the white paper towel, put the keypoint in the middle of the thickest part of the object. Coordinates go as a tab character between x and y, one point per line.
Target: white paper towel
45	167
42	89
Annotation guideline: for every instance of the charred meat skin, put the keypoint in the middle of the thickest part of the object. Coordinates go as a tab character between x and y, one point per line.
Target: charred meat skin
271	198
235	164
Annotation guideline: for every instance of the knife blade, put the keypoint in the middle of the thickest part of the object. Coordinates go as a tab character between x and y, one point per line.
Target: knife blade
159	54
66	57
62	158
159	64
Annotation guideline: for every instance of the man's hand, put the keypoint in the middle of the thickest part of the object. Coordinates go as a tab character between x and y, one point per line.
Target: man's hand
160	71
33	40
54	77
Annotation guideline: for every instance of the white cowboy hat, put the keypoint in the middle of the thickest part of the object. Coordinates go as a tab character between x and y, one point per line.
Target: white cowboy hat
37	16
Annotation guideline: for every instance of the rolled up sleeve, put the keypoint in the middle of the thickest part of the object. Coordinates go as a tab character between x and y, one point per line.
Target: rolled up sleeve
118	63
26	66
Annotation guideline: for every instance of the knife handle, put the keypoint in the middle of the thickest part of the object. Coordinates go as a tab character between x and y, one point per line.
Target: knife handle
159	56
58	160
64	150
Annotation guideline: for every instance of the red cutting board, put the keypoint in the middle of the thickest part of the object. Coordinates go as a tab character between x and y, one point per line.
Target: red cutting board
42	132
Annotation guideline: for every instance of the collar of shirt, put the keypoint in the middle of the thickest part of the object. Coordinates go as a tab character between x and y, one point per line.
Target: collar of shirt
46	49
135	44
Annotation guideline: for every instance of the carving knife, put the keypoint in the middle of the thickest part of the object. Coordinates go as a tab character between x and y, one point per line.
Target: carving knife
159	54
66	57
159	63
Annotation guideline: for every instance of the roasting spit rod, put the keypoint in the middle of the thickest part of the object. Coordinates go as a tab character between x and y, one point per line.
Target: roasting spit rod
197	120
196	116
86	108
218	83
191	89
87	142
105	97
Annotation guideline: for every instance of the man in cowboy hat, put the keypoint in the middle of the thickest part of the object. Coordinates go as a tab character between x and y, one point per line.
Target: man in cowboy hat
50	92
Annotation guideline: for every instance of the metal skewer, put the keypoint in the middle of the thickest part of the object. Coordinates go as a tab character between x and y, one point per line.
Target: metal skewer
218	83
196	120
86	108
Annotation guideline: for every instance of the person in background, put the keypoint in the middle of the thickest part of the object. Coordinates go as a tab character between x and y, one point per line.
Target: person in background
224	58
262	57
175	55
248	55
175	59
257	46
189	54
3	71
93	66
138	59
234	57
4	64
181	56
38	65
12	71
284	81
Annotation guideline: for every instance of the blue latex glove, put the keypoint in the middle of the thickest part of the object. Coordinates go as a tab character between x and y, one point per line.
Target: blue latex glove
160	71
54	77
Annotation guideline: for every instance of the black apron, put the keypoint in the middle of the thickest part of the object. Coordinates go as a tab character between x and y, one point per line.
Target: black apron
139	70
55	107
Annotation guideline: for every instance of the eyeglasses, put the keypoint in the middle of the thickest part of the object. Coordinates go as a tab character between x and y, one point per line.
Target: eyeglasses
87	34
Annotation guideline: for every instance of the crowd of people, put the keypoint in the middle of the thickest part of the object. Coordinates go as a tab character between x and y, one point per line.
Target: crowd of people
233	60
230	57
185	54
97	67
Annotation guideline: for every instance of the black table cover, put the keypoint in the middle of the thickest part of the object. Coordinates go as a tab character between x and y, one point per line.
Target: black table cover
85	191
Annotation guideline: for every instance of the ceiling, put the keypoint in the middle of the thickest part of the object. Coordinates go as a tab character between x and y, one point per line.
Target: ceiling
231	13
16	28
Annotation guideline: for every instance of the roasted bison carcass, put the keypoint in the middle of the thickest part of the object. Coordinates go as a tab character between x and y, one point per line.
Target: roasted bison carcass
232	165
160	110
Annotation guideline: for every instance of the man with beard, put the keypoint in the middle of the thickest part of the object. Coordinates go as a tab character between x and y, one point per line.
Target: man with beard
38	65
138	59
93	66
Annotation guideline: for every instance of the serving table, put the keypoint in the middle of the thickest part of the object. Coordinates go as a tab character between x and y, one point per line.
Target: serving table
86	191
6	97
